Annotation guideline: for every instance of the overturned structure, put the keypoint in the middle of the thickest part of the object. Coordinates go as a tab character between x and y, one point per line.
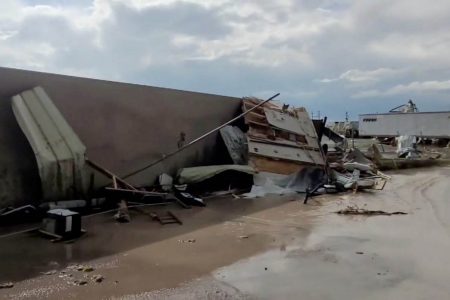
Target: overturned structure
123	126
281	140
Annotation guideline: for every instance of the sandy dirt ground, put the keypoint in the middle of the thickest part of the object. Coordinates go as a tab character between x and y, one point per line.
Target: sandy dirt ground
273	248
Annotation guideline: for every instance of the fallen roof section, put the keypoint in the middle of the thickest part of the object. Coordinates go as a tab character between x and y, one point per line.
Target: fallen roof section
59	152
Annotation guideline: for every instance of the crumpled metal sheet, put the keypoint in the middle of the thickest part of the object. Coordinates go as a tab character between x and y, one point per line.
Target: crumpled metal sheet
236	143
199	174
275	184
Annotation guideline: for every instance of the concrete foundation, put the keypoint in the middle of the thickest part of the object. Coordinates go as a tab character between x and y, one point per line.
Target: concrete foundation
124	126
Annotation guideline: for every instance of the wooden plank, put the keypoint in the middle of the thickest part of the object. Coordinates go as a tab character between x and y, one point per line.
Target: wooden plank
281	142
264	164
285	152
278	135
247	121
109	174
251	102
135	192
171	214
257	115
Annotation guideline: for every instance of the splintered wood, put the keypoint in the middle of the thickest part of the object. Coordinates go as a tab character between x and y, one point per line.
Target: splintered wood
280	140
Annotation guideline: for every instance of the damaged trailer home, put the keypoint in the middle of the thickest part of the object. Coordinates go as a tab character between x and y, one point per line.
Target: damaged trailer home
273	144
281	140
280	148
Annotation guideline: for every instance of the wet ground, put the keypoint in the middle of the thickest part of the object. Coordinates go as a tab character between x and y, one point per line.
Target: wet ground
270	248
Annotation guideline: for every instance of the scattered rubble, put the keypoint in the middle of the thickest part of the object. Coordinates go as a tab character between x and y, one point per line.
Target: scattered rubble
353	210
97	278
6	285
52	272
190	241
81	268
88	269
122	215
73	275
80	282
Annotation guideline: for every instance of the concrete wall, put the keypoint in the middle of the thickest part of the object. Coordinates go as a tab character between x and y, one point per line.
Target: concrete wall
124	126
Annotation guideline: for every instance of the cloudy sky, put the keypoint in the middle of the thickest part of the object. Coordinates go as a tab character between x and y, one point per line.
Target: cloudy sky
329	56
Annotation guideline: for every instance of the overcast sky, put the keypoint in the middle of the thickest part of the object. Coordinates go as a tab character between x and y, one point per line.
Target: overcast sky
332	56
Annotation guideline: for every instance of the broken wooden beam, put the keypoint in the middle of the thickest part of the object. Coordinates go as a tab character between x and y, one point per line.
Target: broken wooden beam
109	174
147	193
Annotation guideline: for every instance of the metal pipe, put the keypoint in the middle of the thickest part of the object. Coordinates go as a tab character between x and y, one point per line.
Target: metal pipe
198	139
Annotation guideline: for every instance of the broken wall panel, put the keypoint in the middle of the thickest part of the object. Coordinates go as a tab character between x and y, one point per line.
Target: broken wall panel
300	125
286	122
285	152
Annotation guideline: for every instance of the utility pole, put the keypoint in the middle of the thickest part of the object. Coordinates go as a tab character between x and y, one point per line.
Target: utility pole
351	128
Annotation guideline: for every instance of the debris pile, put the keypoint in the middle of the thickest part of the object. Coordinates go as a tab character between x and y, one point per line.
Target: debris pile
356	171
272	149
269	148
354	210
6	285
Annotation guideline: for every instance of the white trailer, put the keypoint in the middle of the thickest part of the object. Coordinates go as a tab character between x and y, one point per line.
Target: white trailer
420	124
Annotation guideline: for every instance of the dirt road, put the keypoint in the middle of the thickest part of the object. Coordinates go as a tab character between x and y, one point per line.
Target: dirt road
256	249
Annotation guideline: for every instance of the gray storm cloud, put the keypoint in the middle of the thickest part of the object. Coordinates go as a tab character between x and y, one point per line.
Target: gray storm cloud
333	56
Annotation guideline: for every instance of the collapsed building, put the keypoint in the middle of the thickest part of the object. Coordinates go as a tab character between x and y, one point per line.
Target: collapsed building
79	141
123	126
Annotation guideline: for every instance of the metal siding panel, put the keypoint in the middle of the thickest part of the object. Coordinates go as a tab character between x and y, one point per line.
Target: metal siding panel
288	153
